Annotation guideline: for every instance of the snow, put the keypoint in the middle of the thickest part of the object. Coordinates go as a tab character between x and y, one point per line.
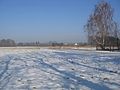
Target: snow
58	69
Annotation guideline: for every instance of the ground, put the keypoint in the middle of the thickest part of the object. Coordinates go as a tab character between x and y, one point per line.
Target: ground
58	69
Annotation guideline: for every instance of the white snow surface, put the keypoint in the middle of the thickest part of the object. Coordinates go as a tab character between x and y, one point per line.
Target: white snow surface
50	69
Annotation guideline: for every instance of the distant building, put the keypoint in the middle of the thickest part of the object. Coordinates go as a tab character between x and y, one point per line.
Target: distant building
76	44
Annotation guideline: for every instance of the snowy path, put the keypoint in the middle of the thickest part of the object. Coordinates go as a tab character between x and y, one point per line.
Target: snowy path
45	69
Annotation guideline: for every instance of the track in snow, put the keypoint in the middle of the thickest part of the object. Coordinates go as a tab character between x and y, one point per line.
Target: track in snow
46	69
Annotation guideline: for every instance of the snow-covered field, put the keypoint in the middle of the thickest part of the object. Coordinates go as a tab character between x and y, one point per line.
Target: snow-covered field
50	69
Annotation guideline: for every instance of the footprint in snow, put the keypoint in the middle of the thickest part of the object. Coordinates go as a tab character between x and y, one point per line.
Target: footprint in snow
82	76
106	78
34	87
67	77
73	69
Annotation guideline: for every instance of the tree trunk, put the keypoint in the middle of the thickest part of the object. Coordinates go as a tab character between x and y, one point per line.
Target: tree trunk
102	47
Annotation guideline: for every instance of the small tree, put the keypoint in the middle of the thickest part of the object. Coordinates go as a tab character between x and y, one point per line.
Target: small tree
100	26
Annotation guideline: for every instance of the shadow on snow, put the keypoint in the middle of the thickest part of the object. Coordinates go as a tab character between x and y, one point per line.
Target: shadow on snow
72	78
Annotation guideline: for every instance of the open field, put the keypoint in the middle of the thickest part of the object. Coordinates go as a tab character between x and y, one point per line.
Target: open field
58	69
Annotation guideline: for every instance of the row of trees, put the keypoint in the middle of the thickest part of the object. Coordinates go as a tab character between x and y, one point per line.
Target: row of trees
12	43
102	30
7	42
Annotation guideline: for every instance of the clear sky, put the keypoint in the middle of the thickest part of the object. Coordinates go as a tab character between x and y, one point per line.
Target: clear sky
47	20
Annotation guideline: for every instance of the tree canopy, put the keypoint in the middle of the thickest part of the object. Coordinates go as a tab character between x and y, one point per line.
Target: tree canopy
101	25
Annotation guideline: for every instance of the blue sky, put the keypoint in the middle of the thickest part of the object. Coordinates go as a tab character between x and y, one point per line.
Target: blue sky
48	20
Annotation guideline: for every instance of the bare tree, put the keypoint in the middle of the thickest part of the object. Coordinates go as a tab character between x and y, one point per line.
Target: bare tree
101	26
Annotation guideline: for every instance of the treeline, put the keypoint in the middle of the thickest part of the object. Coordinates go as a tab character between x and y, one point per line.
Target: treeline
111	43
37	43
12	43
7	43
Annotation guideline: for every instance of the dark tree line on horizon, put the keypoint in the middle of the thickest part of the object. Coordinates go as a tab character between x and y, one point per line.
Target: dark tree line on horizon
102	30
7	43
12	43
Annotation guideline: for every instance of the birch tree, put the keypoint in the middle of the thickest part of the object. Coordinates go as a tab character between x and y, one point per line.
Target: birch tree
101	26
